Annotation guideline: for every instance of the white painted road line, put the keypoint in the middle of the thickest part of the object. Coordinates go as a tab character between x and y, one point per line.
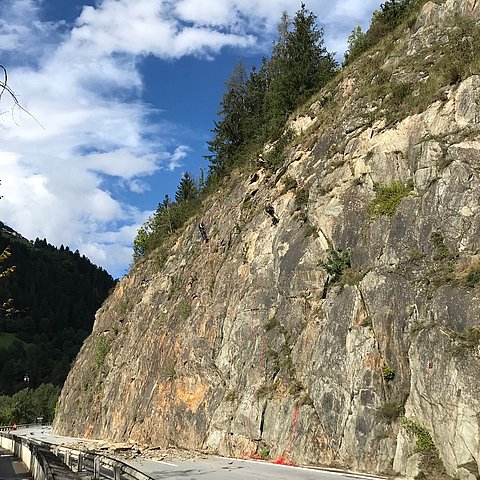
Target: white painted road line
308	469
165	463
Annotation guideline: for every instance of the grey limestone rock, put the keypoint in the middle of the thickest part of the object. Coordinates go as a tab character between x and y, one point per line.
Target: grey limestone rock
252	344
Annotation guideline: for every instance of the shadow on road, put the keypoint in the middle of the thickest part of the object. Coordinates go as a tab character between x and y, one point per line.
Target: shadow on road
11	468
174	474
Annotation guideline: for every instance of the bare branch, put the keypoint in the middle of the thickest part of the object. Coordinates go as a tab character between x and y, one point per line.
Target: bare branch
4	87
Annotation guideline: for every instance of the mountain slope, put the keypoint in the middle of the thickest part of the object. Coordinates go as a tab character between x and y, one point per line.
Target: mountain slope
310	338
51	299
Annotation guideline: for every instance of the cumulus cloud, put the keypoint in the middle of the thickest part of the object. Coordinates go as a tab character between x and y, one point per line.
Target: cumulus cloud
151	29
83	84
122	163
207	12
261	18
13	28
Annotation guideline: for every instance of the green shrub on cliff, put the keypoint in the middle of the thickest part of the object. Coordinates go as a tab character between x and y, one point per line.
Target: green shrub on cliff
102	347
388	373
391	411
473	277
384	20
469	339
264	453
388	198
431	465
184	309
424	442
336	263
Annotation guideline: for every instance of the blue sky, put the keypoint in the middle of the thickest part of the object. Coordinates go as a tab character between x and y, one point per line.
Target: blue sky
124	95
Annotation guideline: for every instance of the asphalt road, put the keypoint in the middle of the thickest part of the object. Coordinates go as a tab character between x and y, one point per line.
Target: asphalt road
44	434
212	468
218	468
12	468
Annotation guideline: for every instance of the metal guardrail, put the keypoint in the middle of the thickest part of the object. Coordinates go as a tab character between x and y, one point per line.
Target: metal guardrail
37	455
9	428
99	466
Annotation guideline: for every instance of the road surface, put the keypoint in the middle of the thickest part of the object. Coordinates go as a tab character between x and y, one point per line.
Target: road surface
217	468
11	468
211	468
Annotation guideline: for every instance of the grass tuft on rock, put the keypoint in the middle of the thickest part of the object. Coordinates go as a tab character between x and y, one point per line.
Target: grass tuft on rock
388	198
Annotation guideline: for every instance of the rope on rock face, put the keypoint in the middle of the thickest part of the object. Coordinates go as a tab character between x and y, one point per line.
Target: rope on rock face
283	458
253	454
263	364
255	304
249	425
250	454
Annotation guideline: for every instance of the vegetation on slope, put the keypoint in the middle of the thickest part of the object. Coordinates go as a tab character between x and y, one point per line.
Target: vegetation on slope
391	14
29	405
253	111
50	304
255	106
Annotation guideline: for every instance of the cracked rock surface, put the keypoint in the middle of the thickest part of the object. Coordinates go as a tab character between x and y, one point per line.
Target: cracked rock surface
249	345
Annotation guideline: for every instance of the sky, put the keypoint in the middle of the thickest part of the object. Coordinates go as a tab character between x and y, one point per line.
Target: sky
119	100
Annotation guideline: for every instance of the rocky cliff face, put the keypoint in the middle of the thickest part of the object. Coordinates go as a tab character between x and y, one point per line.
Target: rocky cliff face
348	333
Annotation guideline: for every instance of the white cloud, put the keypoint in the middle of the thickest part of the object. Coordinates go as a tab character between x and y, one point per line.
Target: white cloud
137	186
175	160
150	29
207	12
20	29
341	16
10	35
114	258
84	87
122	163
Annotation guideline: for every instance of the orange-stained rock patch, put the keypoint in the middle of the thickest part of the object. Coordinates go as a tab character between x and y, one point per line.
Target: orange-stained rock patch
372	360
191	392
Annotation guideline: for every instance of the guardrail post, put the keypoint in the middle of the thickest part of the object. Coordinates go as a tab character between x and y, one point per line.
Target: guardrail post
67	458
80	462
117	472
96	467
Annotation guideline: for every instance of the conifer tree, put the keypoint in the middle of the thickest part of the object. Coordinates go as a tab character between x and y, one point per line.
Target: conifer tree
357	44
275	94
164	210
142	241
300	66
186	190
307	66
228	133
253	120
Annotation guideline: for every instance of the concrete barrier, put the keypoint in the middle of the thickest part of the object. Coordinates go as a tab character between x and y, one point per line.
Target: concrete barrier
29	454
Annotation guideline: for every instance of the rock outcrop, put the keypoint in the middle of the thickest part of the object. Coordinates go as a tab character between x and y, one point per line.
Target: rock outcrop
347	334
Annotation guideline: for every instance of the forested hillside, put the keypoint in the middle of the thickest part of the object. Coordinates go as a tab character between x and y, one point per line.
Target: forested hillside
49	304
